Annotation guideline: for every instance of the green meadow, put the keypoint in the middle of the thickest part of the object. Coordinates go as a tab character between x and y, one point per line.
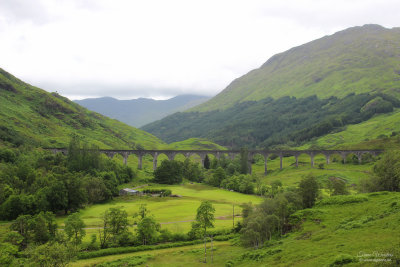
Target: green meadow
183	256
173	213
357	231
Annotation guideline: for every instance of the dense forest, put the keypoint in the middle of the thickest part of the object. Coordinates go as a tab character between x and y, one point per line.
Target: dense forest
270	122
32	180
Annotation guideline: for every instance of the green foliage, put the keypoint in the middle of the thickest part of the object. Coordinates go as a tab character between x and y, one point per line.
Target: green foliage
387	172
308	190
217	177
114	223
192	171
205	216
51	254
162	192
43	227
343	259
121	250
74	228
32	180
269	219
128	262
341	200
8	252
207	162
169	172
244	160
337	186
147	230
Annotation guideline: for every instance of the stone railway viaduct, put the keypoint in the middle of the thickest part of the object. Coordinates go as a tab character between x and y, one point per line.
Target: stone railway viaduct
231	153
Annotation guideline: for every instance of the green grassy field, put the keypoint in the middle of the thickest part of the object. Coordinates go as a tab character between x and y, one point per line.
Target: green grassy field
356	231
291	175
173	213
182	256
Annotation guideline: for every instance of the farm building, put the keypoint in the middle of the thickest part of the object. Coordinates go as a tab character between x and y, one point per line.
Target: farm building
128	191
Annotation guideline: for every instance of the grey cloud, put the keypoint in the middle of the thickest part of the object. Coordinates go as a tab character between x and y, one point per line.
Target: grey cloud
334	15
89	90
20	10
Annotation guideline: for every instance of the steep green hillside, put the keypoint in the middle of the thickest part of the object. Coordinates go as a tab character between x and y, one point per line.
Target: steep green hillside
381	131
29	115
196	143
269	122
356	230
355	60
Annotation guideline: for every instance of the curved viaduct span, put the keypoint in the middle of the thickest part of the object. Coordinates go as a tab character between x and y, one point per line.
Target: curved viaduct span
231	153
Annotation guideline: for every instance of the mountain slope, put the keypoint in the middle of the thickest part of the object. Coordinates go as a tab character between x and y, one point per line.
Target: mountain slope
269	122
303	93
356	60
29	115
138	112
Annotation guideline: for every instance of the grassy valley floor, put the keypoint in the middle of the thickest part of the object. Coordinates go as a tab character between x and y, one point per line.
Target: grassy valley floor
357	231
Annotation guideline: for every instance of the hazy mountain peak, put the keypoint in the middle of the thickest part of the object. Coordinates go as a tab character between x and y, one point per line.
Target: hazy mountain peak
141	111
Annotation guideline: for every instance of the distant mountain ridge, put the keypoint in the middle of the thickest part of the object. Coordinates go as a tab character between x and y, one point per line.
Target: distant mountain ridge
141	111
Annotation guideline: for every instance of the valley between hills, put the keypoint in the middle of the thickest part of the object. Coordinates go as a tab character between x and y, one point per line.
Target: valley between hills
339	92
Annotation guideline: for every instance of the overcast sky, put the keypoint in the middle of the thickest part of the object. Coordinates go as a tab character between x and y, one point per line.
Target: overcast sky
162	48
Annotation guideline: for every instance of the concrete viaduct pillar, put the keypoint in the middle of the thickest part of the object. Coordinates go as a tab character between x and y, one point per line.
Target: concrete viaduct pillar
328	158
312	159
265	164
140	162
125	155
281	159
155	161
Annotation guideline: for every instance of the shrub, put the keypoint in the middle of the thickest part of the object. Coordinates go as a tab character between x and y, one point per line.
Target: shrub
342	259
341	200
162	192
128	262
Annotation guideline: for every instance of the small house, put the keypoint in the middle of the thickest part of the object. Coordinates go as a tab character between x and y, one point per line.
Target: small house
128	191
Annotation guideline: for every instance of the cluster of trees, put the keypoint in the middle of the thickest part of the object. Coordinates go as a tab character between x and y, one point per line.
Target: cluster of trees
386	174
32	181
224	172
271	219
231	174
173	172
34	240
246	124
115	232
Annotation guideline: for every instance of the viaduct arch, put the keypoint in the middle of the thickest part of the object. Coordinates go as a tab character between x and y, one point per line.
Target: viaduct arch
232	154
